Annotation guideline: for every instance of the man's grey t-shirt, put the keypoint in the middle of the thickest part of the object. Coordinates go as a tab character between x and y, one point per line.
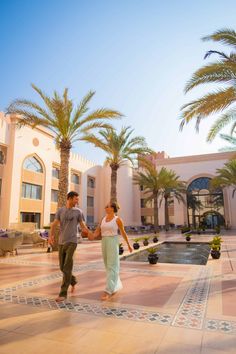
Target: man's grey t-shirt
69	219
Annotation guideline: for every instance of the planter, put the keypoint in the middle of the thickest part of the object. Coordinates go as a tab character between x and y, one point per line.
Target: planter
215	254
145	242
121	250
136	245
155	239
153	258
188	238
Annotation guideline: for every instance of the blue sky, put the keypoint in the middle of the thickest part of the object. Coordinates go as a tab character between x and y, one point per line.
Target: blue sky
137	56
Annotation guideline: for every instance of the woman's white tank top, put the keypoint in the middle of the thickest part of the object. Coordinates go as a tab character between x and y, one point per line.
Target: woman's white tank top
109	228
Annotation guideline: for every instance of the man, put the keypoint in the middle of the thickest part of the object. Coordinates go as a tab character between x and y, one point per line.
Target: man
68	218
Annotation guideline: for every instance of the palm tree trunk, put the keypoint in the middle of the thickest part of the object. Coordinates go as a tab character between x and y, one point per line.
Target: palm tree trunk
166	213
156	217
114	169
64	173
194	220
188	217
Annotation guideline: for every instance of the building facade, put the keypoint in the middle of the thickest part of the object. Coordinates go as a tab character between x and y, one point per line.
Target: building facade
29	175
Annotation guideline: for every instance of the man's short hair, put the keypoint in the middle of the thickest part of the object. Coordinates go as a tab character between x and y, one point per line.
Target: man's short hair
72	194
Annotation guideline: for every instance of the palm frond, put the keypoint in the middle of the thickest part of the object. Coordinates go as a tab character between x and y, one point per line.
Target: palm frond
209	104
221	54
213	73
224	36
83	107
47	100
220	123
102	113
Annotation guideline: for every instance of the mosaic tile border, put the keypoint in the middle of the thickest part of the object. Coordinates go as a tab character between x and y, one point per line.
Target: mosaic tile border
222	326
192	311
213	325
89	308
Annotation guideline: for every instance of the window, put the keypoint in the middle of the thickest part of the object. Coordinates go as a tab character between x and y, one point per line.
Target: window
54	195
52	217
55	172
0	186
75	178
90	219
90	201
91	182
31	217
143	220
142	203
2	157
32	164
31	191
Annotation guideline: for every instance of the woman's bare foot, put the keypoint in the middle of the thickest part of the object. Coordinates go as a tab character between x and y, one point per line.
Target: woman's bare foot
73	288
60	299
105	296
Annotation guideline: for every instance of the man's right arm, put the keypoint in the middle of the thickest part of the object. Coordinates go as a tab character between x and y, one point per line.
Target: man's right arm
55	223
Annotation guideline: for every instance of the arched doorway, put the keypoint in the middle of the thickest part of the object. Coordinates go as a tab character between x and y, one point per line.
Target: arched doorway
205	206
211	219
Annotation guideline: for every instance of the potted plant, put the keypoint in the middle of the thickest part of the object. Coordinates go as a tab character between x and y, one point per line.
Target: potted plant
199	230
145	240
121	248
185	229
136	244
215	247
215	251
152	257
217	240
155	238
188	237
217	229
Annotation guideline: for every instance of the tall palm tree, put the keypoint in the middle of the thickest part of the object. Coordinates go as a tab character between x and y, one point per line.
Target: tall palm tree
172	187
195	204
223	70
226	176
120	148
150	181
67	122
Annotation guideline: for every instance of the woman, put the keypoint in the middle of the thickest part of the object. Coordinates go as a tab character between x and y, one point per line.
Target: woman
108	229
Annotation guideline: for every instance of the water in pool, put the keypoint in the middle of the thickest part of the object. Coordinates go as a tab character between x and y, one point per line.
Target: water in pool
176	252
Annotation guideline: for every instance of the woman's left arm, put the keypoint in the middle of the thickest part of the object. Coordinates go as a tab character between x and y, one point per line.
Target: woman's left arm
123	233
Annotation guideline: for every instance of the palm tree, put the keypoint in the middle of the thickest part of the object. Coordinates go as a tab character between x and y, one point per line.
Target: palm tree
149	180
230	139
226	176
221	71
156	183
67	122
195	204
120	148
172	187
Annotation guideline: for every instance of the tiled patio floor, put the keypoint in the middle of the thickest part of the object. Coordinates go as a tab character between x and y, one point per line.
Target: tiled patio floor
165	308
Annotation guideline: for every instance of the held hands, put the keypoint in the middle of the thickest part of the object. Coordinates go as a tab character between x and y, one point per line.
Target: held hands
91	235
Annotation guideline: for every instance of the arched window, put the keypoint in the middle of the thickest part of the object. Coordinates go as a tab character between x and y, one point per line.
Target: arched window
32	164
205	205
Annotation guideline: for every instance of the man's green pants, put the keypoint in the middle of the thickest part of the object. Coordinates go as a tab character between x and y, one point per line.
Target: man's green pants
66	253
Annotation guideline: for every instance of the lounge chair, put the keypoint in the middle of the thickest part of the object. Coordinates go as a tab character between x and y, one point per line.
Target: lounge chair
10	241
